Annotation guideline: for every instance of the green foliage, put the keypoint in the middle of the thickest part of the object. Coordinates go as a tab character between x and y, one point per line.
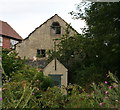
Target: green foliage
17	92
107	94
27	94
88	58
53	98
104	95
1	99
82	100
76	53
78	98
10	62
16	95
32	76
97	50
103	25
88	75
23	86
47	82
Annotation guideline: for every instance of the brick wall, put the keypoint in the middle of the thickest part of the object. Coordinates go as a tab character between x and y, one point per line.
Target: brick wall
6	42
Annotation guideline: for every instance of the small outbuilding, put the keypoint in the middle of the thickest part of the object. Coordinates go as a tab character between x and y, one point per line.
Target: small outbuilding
58	72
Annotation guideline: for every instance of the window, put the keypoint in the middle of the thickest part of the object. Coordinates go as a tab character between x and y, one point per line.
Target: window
1	41
55	28
12	43
56	79
41	53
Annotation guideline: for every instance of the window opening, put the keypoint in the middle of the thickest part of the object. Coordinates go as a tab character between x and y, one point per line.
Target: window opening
41	53
12	43
56	28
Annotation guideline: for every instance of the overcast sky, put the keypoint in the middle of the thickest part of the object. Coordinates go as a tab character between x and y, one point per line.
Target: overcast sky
25	15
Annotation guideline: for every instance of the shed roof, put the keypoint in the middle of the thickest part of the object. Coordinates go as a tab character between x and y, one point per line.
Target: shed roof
7	30
51	66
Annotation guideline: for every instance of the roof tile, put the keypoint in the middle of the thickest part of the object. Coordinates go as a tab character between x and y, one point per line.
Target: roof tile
7	30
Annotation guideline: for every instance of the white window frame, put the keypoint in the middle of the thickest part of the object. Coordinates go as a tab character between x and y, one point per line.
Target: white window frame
12	43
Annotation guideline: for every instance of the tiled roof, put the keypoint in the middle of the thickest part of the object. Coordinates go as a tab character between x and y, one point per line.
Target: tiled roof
7	30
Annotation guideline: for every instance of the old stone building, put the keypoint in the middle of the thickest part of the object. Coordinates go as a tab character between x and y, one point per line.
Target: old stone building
42	38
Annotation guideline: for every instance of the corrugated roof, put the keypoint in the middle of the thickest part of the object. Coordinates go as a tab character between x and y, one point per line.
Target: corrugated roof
7	30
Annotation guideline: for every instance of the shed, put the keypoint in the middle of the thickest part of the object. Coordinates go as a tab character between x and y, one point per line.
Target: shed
58	72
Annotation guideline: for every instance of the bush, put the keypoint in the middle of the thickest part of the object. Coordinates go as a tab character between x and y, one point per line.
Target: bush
10	62
88	75
53	98
107	94
22	84
76	97
25	87
28	88
25	95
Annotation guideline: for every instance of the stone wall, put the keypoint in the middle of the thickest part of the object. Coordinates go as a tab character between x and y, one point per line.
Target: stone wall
60	70
41	38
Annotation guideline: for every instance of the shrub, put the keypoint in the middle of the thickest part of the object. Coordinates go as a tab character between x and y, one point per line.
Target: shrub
53	98
25	87
107	94
28	88
10	62
22	84
18	95
88	75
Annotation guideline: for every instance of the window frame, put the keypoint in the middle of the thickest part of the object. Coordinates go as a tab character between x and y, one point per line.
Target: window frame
12	43
55	28
41	53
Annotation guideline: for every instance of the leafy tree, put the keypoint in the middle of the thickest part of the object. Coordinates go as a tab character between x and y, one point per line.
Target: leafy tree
11	62
72	52
103	21
91	55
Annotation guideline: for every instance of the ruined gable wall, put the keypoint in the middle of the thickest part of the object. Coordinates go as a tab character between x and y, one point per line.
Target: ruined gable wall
41	38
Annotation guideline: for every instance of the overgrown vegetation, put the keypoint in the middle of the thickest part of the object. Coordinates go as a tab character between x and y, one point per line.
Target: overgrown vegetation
20	84
28	88
91	55
88	58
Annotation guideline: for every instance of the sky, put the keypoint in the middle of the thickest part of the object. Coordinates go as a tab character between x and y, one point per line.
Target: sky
26	15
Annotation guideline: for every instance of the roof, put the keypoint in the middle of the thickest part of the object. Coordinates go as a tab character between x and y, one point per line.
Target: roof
7	30
51	66
46	22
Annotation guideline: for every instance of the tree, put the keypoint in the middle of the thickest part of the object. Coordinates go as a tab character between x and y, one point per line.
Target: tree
72	51
91	55
103	21
11	62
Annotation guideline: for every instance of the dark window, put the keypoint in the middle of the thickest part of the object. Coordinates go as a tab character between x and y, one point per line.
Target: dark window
40	53
43	53
56	79
55	28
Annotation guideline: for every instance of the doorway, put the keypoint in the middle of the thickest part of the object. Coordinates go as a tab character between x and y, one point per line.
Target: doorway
56	78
